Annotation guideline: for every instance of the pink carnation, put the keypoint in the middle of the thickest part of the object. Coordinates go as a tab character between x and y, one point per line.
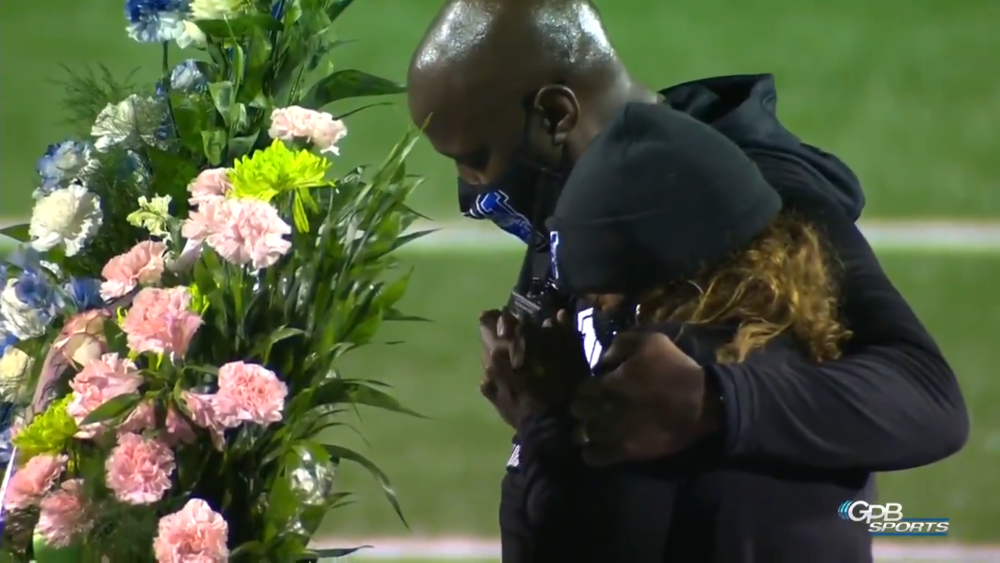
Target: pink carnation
249	393
142	417
203	414
194	534
161	321
29	483
82	337
98	382
320	128
210	184
177	431
143	264
200	223
242	231
139	469
62	518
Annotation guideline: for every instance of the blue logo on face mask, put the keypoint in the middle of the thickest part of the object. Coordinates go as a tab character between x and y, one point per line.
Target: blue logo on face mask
553	252
495	206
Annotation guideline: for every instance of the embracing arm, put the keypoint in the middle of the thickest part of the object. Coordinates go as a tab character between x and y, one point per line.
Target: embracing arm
892	402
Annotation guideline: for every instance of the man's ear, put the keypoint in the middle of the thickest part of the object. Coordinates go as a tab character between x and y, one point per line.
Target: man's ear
559	109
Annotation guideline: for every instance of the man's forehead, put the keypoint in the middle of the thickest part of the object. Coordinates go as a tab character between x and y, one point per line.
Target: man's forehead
459	124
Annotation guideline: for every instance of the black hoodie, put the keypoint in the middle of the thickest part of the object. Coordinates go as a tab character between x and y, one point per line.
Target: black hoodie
744	109
891	403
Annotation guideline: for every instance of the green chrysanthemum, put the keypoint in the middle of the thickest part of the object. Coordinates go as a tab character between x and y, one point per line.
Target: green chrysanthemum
49	433
277	169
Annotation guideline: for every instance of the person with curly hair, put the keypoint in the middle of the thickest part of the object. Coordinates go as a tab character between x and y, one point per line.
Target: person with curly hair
666	227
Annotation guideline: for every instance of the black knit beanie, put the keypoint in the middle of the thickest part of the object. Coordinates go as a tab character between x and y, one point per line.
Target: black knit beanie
656	197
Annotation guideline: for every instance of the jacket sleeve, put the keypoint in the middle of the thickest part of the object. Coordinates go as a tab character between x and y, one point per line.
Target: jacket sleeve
558	509
892	402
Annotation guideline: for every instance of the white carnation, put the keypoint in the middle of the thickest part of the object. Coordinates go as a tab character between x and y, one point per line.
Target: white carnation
69	217
214	9
192	36
13	366
19	318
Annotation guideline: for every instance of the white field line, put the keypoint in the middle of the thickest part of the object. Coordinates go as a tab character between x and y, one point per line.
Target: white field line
901	236
912	236
907	236
471	549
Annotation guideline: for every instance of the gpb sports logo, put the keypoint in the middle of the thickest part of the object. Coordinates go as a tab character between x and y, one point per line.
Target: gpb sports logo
888	520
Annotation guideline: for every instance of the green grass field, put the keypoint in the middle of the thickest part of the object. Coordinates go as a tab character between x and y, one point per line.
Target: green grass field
903	91
906	92
448	468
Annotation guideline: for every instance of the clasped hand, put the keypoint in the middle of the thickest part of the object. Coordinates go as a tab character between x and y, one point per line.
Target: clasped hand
650	401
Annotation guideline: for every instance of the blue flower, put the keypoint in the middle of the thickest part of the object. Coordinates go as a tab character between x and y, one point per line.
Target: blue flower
33	290
6	340
28	304
278	9
155	21
84	293
61	163
6	447
187	76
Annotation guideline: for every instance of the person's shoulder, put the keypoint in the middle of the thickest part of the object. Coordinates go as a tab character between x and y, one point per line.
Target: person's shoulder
700	341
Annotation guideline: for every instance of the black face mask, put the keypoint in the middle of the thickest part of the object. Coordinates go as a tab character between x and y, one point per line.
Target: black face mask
519	201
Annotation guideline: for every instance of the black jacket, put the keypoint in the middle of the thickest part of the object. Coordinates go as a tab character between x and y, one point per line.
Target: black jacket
702	506
891	403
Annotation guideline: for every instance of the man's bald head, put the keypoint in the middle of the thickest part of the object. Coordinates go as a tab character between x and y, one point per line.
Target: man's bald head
485	66
482	44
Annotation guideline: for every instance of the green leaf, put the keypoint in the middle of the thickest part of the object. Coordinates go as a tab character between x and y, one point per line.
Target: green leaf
213	145
19	232
339	552
397	315
117	340
362	108
368	396
239	27
241	146
392	293
345	84
8	247
191	117
337	7
113	408
172	171
339	453
410	237
247	548
223	96
263	350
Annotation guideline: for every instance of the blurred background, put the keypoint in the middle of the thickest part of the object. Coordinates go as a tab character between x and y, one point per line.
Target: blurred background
907	93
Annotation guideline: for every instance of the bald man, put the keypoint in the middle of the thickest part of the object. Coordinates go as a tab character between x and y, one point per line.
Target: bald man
516	90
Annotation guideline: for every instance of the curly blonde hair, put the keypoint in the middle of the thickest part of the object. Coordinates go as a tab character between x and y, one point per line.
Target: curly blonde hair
784	282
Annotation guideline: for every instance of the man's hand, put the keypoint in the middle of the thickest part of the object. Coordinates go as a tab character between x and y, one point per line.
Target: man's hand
648	401
530	369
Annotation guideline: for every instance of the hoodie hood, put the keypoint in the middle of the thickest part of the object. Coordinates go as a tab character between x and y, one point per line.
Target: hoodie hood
744	109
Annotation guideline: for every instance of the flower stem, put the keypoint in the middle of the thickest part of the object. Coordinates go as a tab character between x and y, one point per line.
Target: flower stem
165	66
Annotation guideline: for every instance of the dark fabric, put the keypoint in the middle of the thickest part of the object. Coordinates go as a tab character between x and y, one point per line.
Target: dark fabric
891	403
696	507
656	197
741	107
744	109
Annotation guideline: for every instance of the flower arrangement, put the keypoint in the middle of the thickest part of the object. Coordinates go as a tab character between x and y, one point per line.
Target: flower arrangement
172	315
